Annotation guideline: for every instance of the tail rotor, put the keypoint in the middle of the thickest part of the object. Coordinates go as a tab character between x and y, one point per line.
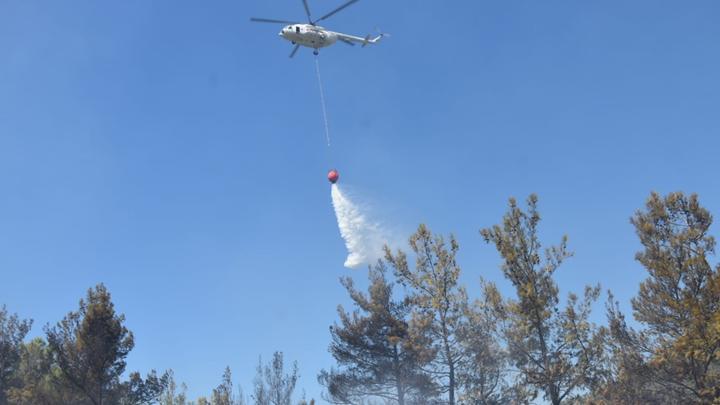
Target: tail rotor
370	40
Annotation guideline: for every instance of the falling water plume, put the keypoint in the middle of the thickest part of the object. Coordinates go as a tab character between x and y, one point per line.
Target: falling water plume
363	238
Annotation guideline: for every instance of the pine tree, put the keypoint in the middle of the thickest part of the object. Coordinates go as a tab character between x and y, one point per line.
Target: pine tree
170	395
557	351
273	386
223	394
89	347
378	353
483	377
12	332
37	379
677	353
438	299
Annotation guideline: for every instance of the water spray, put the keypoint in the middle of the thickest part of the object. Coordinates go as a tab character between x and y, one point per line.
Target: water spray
363	238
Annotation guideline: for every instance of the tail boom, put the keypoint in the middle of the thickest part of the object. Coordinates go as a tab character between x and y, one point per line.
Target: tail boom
368	40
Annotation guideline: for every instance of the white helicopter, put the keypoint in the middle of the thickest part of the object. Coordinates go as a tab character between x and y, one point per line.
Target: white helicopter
314	36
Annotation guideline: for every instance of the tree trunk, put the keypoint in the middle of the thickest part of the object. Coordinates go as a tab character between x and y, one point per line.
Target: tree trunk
451	384
398	377
554	395
450	363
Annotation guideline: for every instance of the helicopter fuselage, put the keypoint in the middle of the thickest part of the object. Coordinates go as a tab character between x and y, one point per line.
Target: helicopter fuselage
311	36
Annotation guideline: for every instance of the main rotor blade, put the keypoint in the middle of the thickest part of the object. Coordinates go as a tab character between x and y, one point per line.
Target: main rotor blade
307	11
337	10
269	20
294	50
347	42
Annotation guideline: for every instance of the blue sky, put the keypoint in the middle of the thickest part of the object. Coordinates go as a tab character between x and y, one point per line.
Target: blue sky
171	150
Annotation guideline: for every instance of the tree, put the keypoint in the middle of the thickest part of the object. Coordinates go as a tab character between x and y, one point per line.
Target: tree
170	395
439	300
223	394
379	353
272	385
556	351
203	401
90	345
36	377
482	376
627	378
12	332
140	391
679	303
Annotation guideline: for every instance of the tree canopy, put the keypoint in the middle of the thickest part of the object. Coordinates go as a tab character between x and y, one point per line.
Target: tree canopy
414	336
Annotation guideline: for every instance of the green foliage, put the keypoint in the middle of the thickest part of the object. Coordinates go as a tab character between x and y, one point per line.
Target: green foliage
171	395
433	345
139	391
379	353
557	351
483	376
223	393
37	379
627	379
12	332
88	348
273	386
676	357
438	298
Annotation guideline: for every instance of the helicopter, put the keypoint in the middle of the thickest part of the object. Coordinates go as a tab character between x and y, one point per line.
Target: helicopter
314	36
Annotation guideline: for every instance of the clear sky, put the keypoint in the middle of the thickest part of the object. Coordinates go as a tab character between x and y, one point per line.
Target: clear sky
171	150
